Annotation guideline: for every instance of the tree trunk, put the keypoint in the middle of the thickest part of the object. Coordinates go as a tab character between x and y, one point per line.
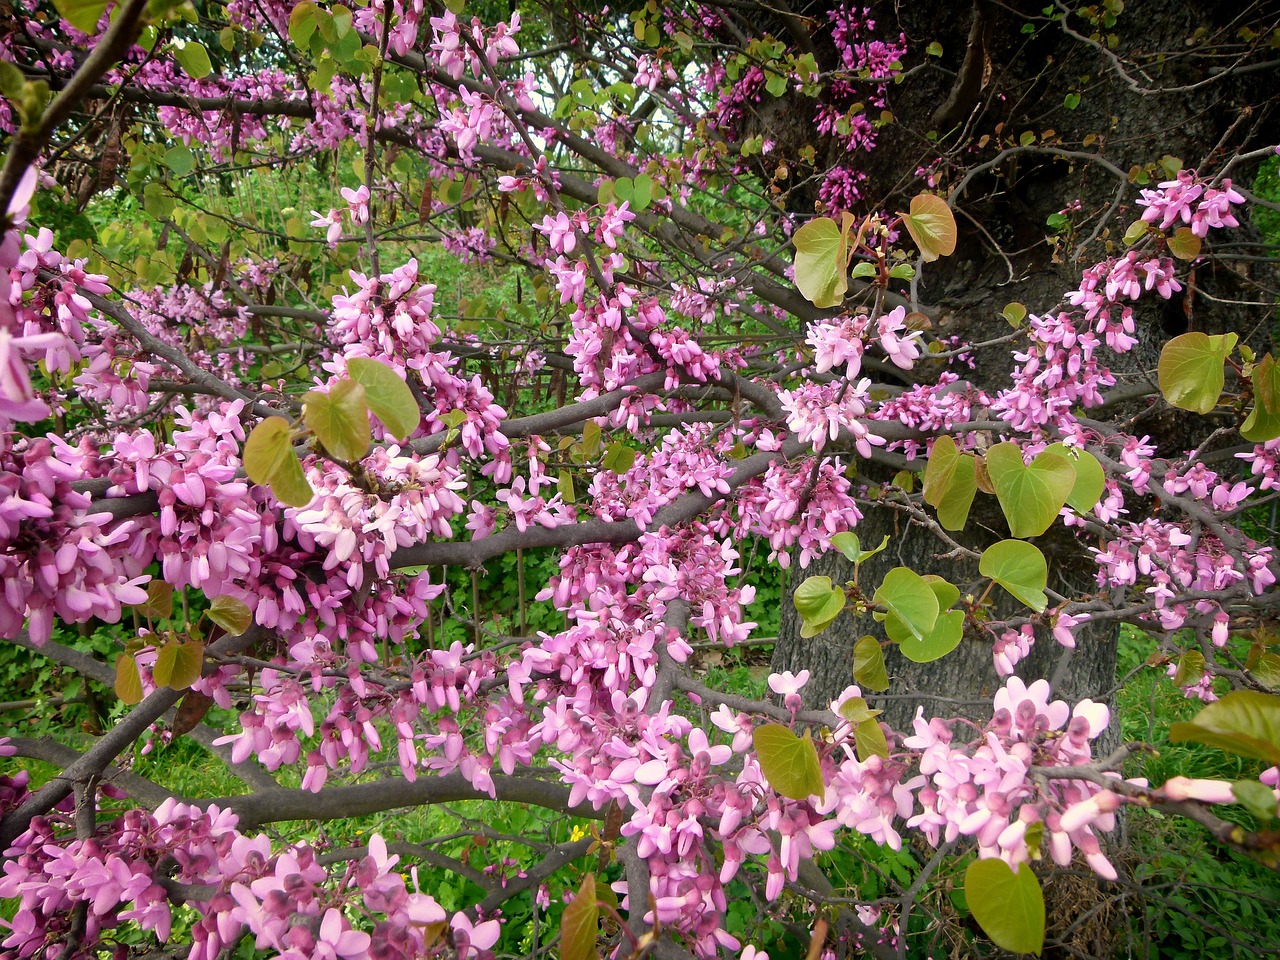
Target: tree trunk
997	87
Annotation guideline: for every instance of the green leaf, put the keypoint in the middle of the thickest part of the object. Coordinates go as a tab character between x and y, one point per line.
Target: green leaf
788	762
1190	371
1263	422
937	643
908	597
564	486
1184	244
950	483
1258	798
1091	479
1071	101
822	262
194	59
1020	568
1030	496
81	14
580	923
1137	230
931	225
641	192
128	680
851	547
1015	313
269	459
934	49
388	396
868	664
818	603
619	458
1190	669
1267	670
947	593
232	615
340	419
178	665
870	741
302	23
1008	906
159	602
1245	722
180	159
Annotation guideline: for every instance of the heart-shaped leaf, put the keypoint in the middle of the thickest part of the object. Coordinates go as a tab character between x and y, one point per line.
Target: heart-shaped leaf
1030	496
269	459
232	615
788	762
906	595
159	602
1258	798
1245	722
936	644
340	419
1184	244
389	397
1008	905
931	225
817	601
851	546
822	262
1190	370
194	59
1020	568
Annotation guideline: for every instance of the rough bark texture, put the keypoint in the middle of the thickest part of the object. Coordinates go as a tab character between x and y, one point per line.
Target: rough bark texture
1007	253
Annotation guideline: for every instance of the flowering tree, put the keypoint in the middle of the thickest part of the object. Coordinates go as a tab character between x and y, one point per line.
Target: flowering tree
260	440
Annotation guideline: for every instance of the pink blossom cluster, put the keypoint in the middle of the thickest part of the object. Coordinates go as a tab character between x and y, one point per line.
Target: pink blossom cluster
1191	201
985	788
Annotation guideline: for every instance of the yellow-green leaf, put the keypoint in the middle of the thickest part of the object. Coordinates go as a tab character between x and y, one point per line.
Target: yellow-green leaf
269	459
1020	568
1190	370
159	602
194	59
81	14
1184	244
1245	722
788	762
1263	422
128	680
1008	905
1091	479
870	741
822	261
931	225
907	596
868	664
232	615
1031	496
340	419
388	396
1190	669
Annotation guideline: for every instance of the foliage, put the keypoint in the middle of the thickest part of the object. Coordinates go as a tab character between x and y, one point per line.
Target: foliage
410	402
